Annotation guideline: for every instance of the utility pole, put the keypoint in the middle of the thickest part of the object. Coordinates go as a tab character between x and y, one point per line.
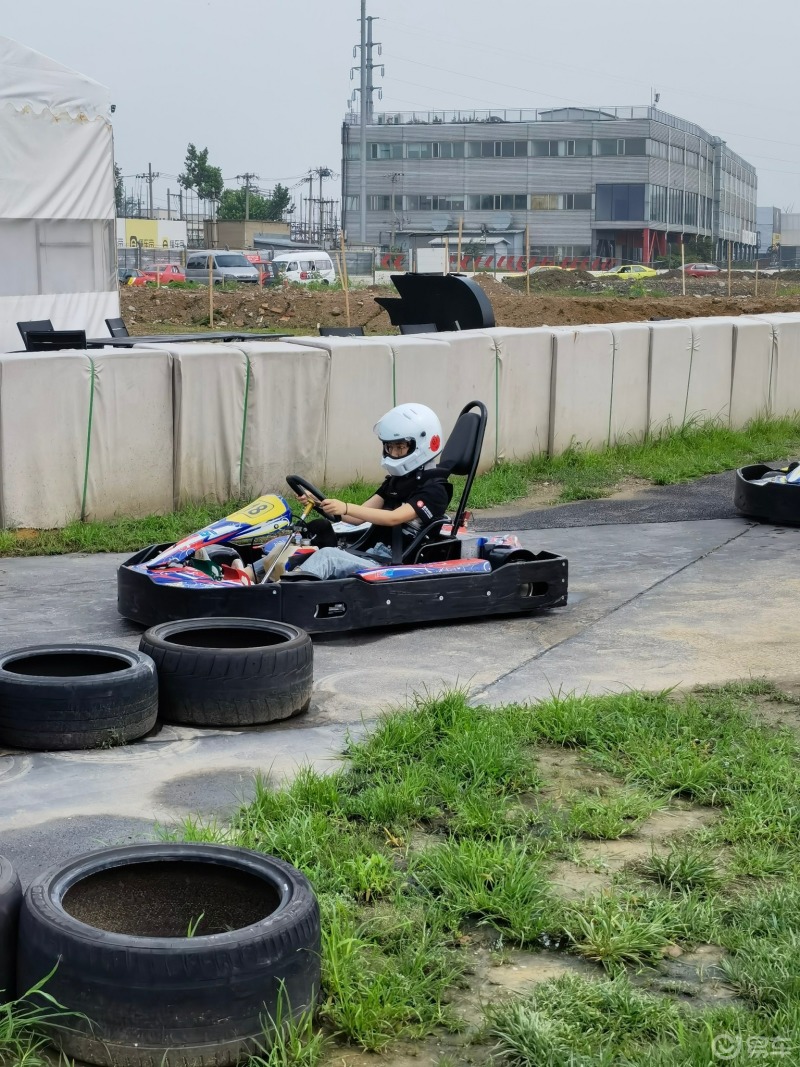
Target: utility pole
246	177
150	177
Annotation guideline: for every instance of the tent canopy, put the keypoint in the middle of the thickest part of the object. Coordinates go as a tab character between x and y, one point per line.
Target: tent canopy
57	205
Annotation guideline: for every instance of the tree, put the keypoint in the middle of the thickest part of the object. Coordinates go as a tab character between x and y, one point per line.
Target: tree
119	192
200	175
269	208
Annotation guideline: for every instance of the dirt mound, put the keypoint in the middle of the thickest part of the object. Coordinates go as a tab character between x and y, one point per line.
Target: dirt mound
297	309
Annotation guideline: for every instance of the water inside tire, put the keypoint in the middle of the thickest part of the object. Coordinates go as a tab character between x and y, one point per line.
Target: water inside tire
171	898
226	637
66	664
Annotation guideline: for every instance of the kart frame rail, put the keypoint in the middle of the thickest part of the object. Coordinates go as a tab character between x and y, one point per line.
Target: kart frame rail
340	605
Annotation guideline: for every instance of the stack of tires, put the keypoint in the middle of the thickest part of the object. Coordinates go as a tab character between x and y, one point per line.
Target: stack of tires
161	955
198	672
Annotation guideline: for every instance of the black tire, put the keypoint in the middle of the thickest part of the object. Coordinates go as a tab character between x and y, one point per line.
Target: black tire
75	696
117	922
10	900
230	672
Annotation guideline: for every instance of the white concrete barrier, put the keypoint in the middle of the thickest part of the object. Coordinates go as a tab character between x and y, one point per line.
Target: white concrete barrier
44	419
629	389
446	371
580	409
670	363
286	426
708	393
752	384
130	463
524	369
360	390
786	363
209	387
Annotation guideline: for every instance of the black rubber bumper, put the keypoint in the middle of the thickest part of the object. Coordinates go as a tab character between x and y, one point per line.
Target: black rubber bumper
771	502
350	603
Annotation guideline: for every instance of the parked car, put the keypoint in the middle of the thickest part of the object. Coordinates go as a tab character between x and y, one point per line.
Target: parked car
627	271
700	270
222	266
545	266
165	274
306	266
130	276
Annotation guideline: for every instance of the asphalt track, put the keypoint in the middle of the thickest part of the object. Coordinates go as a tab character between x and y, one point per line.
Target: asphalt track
706	498
667	587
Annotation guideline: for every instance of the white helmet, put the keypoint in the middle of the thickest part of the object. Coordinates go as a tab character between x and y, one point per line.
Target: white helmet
413	423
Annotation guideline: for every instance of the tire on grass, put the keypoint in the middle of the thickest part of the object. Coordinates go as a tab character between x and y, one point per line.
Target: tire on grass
230	672
171	954
10	900
70	696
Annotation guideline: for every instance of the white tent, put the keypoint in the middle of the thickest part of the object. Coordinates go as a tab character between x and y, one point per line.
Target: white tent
57	240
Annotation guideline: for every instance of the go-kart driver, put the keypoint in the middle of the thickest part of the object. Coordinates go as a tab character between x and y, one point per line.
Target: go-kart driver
412	495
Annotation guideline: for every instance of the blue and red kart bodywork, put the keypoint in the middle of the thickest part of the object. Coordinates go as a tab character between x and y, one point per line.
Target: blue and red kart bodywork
160	583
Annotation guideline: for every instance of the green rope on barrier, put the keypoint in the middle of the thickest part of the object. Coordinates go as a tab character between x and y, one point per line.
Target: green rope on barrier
92	376
244	421
611	395
496	404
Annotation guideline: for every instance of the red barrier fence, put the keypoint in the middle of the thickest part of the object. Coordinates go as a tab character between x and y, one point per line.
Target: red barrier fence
510	264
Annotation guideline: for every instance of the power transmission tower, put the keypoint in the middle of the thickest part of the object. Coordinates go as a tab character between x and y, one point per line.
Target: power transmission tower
150	177
365	91
246	178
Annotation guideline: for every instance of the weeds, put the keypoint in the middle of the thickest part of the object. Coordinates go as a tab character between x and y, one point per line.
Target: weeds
435	828
671	455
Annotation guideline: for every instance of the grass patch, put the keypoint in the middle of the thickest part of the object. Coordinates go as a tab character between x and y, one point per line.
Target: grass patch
24	1027
669	457
435	838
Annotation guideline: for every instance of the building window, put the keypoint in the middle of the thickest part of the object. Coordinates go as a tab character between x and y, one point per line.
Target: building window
658	203
619	203
675	154
657	149
352	150
383	203
548	148
384	150
496	149
497	202
544	202
352	203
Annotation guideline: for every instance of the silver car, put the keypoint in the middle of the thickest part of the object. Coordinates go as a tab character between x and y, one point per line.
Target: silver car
221	267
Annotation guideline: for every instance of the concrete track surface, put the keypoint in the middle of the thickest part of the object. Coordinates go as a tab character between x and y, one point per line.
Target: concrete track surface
670	588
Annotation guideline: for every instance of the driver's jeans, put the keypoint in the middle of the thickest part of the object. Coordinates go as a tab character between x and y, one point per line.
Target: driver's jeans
336	563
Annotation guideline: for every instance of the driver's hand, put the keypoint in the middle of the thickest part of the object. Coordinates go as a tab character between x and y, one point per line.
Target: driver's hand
332	507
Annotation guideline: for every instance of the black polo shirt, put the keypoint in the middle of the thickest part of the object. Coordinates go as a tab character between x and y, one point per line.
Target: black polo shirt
427	491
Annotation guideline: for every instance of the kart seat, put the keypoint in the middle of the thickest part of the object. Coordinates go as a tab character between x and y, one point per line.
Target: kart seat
459	456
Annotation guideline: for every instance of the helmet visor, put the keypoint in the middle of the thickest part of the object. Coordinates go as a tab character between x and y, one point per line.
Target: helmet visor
398	448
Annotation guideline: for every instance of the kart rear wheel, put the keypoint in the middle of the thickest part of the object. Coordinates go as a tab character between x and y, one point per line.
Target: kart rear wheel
230	672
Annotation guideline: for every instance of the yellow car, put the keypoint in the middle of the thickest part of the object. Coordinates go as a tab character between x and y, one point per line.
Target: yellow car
628	271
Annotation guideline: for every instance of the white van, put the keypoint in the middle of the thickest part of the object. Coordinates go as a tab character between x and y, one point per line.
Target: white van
305	266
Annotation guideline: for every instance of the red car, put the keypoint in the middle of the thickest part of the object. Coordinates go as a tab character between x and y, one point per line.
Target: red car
700	270
166	274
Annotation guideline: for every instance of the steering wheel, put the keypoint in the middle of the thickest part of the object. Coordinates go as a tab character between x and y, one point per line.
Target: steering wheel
302	487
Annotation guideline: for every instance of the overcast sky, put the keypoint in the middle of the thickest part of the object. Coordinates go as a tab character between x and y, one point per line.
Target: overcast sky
265	85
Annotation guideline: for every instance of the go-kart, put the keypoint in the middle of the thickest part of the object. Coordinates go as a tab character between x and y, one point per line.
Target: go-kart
431	579
769	493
